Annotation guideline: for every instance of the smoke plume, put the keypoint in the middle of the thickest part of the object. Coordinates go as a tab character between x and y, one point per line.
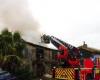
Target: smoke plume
15	15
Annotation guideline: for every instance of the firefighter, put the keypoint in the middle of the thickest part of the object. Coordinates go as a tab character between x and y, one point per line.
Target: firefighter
53	72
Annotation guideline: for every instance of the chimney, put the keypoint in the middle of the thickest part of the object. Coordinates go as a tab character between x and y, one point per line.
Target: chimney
84	45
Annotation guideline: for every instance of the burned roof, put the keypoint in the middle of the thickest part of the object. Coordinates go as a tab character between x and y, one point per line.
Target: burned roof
35	45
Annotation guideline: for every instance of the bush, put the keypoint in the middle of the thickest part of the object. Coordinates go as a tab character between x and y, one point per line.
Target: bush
24	73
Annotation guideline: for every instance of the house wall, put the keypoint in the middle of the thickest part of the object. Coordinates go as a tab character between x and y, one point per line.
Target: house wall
34	62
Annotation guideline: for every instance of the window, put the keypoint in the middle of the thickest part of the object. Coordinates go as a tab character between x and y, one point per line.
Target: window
39	53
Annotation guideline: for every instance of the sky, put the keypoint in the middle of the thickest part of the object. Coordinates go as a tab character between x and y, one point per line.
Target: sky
73	21
16	16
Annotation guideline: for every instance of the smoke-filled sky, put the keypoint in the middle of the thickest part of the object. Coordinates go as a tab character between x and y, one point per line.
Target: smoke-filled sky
16	16
73	21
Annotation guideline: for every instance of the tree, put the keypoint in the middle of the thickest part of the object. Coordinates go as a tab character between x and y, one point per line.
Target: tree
11	43
11	49
6	42
19	43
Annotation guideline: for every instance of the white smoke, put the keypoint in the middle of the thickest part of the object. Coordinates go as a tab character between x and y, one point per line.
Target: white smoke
15	15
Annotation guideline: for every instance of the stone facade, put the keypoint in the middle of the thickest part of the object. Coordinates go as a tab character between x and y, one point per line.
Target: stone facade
39	58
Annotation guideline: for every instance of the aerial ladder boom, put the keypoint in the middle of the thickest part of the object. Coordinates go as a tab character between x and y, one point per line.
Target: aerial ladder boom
67	51
74	51
63	50
74	54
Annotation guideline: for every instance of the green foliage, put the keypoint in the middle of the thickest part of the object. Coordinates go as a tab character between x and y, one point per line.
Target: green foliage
24	74
11	55
11	43
15	66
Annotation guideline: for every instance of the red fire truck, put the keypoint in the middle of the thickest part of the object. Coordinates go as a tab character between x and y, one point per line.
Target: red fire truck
71	64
